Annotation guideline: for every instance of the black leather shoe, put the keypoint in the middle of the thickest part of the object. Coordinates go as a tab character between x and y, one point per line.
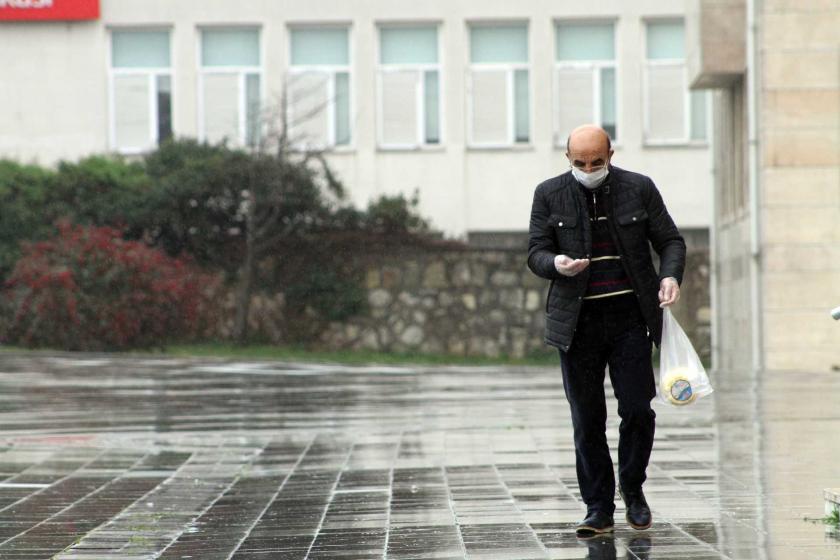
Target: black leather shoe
637	510
596	523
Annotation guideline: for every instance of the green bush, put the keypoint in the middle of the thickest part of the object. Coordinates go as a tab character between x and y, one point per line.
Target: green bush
99	191
199	200
23	195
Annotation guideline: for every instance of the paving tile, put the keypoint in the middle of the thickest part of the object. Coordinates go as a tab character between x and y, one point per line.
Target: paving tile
108	456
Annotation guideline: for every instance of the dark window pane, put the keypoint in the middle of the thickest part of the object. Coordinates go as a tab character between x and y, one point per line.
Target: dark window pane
252	97
164	107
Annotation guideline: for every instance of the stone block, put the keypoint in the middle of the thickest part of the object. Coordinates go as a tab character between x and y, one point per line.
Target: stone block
461	275
802	148
801	186
512	298
412	336
379	298
801	225
456	346
531	280
385	337
469	301
408	299
446	299
798	331
790	69
802	107
372	278
390	277
799	30
813	290
435	275
369	340
479	274
432	346
351	332
802	258
533	300
785	6
503	278
798	359
411	274
497	316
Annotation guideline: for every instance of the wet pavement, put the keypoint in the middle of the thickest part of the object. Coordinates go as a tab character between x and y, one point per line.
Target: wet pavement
114	457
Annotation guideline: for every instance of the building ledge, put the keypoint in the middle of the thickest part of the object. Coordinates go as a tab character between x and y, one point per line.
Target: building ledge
716	42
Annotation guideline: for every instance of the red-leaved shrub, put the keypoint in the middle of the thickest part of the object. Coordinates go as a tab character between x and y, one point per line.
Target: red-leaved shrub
88	289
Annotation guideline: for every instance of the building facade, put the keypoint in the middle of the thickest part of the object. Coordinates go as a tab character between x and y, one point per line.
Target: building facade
774	67
467	102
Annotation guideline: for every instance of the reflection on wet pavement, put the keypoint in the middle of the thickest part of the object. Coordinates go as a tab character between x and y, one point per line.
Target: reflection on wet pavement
111	457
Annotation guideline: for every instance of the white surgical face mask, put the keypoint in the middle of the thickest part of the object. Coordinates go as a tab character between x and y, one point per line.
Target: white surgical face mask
590	180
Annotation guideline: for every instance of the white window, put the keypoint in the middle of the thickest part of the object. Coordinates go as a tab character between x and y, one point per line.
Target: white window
498	99
318	87
408	86
230	85
140	90
584	77
673	113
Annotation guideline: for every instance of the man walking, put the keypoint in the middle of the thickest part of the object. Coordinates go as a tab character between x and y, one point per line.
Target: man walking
590	233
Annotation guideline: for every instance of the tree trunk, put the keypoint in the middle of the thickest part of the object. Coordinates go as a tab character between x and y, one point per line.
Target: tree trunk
243	297
246	276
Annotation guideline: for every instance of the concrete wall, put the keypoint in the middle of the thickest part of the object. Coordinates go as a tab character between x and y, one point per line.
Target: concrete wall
54	91
733	307
800	116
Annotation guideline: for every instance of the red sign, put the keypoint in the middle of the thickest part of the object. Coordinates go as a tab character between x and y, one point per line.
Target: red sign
48	10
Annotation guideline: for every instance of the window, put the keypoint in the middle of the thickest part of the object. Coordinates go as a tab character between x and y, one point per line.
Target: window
230	88
584	77
318	87
140	90
499	93
673	113
408	86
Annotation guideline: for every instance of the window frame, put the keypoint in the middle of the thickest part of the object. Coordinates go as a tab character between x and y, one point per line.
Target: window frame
596	67
647	64
420	69
241	72
152	73
332	70
510	78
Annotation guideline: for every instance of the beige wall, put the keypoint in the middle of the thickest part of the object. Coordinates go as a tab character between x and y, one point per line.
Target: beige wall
800	115
55	92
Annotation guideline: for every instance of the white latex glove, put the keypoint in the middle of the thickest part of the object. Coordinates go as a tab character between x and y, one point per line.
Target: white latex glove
568	266
669	292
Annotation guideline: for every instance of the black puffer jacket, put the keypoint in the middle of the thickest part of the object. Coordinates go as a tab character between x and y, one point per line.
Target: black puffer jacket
637	219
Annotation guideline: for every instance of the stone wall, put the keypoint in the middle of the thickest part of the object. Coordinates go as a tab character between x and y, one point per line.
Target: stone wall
463	301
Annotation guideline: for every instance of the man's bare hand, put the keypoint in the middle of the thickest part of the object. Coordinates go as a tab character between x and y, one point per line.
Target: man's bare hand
568	266
669	292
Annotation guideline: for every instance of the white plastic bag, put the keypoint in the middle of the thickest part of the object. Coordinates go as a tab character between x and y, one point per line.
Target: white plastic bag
682	377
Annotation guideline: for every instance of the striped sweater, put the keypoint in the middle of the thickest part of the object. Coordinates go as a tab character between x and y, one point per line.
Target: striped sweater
607	276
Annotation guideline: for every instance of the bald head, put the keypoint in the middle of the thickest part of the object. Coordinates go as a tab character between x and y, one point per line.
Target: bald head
589	146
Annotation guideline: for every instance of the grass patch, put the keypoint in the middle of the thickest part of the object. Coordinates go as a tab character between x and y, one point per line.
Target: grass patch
832	519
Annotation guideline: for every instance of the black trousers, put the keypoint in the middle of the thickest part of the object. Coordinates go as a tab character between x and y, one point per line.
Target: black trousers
610	331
